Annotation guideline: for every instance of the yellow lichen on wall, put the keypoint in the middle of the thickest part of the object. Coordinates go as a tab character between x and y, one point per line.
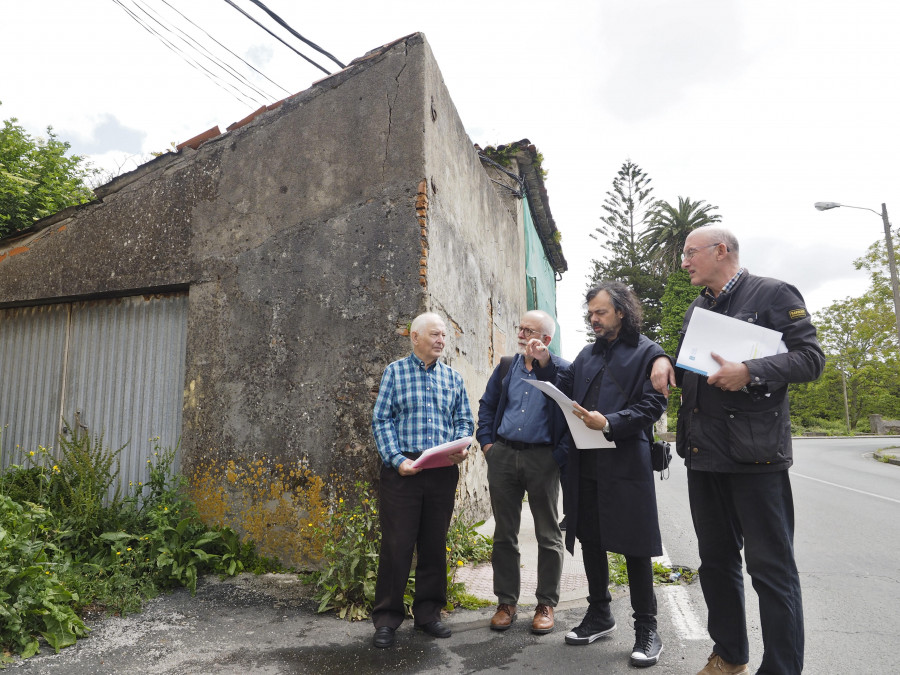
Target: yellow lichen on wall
282	509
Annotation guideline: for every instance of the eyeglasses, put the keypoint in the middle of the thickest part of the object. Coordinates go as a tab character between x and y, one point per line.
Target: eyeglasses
529	333
690	253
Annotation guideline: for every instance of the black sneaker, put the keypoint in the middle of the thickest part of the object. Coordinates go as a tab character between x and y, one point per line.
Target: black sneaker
592	627
647	647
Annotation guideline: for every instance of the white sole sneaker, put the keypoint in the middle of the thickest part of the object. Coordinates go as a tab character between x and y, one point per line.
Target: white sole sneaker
572	638
638	660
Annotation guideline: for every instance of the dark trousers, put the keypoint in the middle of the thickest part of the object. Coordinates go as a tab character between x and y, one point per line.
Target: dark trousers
731	510
512	473
596	564
414	512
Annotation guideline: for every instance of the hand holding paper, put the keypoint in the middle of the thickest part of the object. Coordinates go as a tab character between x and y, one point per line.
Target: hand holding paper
439	455
730	376
731	339
583	436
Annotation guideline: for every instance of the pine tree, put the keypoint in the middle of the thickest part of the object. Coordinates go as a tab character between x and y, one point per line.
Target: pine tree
628	208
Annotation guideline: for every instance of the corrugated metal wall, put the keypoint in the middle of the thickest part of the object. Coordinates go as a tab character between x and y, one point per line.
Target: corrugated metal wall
32	349
114	367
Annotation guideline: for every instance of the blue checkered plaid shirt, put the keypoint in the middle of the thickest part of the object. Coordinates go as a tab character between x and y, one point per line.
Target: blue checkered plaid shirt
418	408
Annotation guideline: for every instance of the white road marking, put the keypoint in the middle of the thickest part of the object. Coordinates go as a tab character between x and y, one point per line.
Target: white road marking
681	609
683	616
844	487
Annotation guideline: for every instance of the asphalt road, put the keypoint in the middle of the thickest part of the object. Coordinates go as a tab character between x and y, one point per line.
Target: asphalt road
847	507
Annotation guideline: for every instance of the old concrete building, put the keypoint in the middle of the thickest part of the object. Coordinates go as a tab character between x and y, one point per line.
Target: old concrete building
245	293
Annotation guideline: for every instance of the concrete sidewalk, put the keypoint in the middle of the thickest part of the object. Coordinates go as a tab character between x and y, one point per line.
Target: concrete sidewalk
479	580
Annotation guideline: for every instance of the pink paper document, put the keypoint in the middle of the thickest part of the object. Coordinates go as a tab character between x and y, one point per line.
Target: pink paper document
436	457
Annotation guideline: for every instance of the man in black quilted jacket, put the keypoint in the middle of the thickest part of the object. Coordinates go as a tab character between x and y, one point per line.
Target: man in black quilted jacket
734	432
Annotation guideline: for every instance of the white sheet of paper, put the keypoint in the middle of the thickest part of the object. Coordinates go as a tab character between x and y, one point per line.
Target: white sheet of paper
584	437
730	338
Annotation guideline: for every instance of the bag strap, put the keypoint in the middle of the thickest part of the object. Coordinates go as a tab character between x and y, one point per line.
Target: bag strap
505	363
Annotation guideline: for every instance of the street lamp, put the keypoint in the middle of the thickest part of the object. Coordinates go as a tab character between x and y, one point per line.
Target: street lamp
888	241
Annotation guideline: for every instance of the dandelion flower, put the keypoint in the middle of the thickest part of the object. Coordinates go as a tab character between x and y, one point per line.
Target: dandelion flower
118	552
448	549
31	454
459	563
128	549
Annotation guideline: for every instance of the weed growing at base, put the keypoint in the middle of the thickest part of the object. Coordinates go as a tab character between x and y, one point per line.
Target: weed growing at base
71	539
349	567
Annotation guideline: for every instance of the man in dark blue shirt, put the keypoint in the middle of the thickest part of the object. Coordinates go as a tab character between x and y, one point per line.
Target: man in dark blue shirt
521	432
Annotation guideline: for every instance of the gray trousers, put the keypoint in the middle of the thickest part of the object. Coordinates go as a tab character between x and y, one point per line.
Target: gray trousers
512	473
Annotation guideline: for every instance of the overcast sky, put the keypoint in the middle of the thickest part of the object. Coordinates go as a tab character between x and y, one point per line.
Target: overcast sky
761	107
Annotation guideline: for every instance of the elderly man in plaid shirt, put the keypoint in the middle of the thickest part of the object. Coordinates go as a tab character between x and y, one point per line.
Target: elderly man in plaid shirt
421	403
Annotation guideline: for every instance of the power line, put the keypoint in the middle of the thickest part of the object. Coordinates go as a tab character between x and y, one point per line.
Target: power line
205	53
240	96
284	24
249	65
300	54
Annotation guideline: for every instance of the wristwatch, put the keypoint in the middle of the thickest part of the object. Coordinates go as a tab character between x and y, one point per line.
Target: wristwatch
605	429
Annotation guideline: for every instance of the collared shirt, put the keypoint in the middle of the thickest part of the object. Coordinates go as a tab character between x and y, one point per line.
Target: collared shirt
526	417
726	288
419	407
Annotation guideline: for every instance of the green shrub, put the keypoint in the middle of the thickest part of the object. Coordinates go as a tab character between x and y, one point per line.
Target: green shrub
346	581
32	599
349	568
72	538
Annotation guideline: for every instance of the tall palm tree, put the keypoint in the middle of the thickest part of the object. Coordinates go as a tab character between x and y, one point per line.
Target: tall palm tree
669	227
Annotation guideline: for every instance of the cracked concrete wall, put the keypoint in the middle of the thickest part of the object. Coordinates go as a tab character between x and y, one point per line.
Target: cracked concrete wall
308	239
476	261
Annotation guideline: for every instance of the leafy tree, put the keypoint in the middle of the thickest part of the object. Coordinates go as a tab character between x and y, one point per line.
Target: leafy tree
628	208
875	262
37	179
858	335
860	340
670	225
678	296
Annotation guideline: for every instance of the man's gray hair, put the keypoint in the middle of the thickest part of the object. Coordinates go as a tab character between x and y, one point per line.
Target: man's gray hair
424	320
547	322
717	233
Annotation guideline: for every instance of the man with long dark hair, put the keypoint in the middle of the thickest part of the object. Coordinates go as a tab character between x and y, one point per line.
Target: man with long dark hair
611	493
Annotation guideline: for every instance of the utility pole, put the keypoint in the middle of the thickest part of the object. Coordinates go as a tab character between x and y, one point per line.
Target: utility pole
892	262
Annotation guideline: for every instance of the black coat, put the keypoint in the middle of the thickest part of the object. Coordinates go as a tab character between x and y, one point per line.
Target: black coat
627	494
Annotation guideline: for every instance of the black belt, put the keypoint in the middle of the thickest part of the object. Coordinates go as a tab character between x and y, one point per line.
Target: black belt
519	445
411	455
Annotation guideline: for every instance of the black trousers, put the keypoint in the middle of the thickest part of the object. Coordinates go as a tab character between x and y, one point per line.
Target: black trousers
753	511
414	512
596	564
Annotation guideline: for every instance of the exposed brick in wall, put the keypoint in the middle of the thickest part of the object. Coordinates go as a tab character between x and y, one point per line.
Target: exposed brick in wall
422	216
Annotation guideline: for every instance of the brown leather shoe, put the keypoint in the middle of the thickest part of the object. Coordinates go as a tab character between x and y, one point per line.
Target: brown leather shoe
504	618
718	666
543	620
